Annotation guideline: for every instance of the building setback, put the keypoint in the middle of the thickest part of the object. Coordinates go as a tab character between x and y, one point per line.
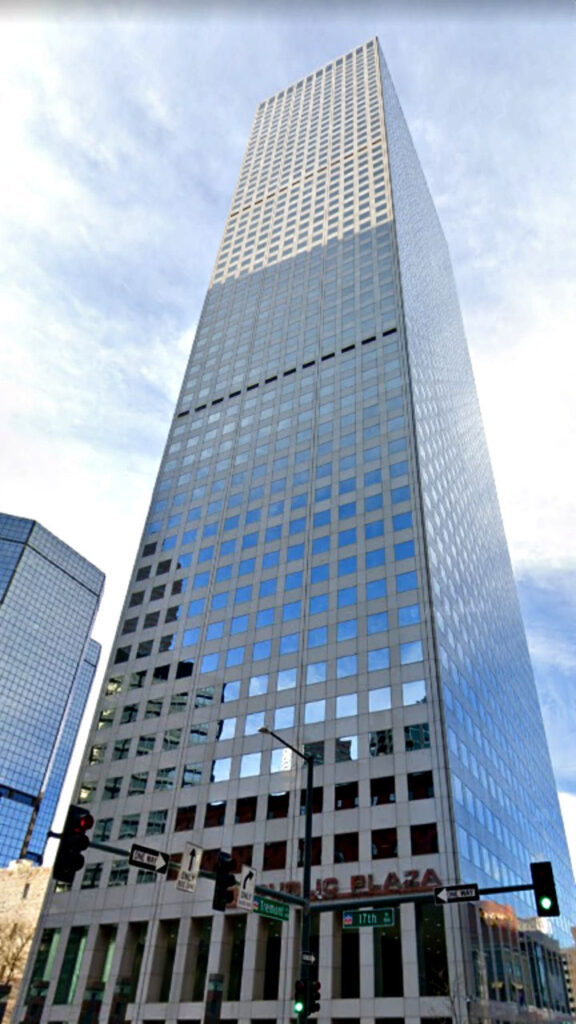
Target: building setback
323	557
49	596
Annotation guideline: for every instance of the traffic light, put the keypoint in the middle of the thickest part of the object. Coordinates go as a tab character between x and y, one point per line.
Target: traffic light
315	987
225	882
544	889
300	1001
73	842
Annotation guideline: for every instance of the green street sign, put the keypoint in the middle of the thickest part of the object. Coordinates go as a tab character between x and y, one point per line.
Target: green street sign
271	908
383	918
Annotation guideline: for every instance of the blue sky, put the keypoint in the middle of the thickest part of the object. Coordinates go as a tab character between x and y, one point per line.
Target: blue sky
122	136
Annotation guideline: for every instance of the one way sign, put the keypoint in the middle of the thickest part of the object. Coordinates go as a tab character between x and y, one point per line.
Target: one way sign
456	894
148	859
245	898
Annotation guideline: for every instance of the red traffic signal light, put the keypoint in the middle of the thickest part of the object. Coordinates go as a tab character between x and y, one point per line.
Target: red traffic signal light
225	882
544	889
300	1001
73	842
315	987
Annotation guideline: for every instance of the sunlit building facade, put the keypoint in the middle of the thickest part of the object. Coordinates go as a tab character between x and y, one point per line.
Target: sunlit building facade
49	596
323	557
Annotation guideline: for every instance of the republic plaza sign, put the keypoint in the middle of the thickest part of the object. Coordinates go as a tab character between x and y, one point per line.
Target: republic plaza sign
361	886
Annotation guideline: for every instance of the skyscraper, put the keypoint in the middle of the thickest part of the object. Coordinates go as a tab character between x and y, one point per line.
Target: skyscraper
49	597
324	558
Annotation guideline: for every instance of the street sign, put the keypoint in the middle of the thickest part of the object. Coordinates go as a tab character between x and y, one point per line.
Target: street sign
382	918
456	894
245	898
188	874
149	860
271	908
308	958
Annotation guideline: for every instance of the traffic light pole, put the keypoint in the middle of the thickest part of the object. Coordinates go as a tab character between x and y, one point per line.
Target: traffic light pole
305	952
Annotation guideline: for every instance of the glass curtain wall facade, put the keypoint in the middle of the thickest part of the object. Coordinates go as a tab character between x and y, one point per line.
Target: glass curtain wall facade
49	596
323	557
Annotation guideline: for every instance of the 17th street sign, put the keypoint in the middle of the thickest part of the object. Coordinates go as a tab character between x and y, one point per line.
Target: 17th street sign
149	860
456	894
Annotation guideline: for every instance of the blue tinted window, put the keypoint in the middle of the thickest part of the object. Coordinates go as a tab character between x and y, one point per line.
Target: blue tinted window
409	615
375	529
347	511
297	525
400	494
377	623
373	477
346	666
378	659
347	596
184	561
316	673
190	636
227	547
323	493
402	521
201	580
289	643
374	558
234	500
253	515
373	502
270	559
347	565
258	685
243	594
246	566
399	445
295	552
299	501
196	607
278	486
322	518
320	544
346	537
347	630
405	550
346	486
399	469
273	533
249	540
231	691
235	656
319	573
265	618
231	523
276	508
348	462
209	663
193	513
324	470
293	580
261	649
406	581
267	587
377	588
189	536
291	611
219	601
411	652
222	574
205	554
210	530
215	630
318	604
317	637
286	679
239	624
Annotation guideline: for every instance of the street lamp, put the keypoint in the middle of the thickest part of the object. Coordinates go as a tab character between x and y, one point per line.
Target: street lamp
307	872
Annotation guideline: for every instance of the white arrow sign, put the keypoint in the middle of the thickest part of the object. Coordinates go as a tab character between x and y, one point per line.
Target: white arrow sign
188	874
245	898
456	893
149	860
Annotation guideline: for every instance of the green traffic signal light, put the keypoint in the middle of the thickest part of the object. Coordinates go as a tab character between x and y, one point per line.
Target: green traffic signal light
300	998
544	889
